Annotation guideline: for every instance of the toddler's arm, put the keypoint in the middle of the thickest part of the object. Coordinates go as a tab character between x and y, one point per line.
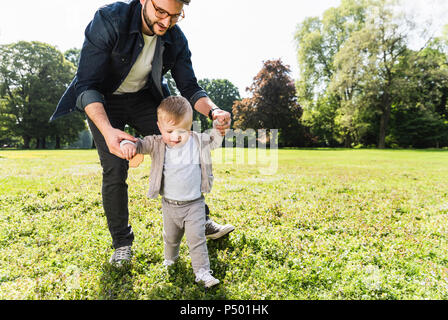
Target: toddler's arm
215	137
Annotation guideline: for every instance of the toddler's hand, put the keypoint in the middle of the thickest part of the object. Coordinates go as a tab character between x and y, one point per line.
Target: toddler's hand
222	127
129	150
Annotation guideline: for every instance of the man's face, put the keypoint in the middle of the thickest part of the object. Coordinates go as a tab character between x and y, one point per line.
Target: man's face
152	9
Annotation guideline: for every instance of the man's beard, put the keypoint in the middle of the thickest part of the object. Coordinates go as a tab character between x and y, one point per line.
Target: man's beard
148	22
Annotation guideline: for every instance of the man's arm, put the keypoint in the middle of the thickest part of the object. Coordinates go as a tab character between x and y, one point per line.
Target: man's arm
205	104
93	66
95	111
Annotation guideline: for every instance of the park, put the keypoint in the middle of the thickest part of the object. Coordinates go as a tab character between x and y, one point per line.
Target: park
335	178
330	224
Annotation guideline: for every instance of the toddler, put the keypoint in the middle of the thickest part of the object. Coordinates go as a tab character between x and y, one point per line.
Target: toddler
181	172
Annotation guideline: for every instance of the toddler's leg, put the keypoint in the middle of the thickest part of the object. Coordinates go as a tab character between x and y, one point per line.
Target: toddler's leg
173	232
195	232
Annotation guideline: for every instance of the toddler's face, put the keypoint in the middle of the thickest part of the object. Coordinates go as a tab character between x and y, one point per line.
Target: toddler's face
175	135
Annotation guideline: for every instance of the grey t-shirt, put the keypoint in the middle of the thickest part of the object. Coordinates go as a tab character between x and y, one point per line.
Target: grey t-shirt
182	172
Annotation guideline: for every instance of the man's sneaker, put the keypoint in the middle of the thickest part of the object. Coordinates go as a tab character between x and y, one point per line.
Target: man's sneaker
121	255
215	231
205	277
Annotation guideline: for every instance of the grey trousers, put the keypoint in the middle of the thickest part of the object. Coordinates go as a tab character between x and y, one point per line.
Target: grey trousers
189	219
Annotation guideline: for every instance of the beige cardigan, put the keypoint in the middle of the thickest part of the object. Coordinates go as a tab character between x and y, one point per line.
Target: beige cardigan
155	147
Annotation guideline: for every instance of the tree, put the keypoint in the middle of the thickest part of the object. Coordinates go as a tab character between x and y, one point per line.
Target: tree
171	84
272	105
33	77
369	73
318	41
73	56
420	115
357	74
222	92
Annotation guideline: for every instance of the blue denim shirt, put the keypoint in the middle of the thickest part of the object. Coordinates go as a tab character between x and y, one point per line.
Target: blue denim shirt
113	42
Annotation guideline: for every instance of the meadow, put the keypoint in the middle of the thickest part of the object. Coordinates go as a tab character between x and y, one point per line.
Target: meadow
325	224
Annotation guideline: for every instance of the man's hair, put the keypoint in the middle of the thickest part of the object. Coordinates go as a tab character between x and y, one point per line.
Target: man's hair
176	109
187	2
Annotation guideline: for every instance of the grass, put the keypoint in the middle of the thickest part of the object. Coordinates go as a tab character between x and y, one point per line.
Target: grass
330	224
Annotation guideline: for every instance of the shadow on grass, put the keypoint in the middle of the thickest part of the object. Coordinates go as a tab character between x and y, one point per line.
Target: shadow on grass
180	283
116	283
177	284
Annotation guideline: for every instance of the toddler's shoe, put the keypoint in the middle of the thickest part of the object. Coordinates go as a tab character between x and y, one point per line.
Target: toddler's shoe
168	262
205	277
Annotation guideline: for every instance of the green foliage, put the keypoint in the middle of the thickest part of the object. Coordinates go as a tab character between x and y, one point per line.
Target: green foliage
357	70
171	84
33	77
272	105
222	92
73	55
330	224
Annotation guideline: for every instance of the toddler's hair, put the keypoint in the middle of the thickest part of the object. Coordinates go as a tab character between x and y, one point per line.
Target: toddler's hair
176	109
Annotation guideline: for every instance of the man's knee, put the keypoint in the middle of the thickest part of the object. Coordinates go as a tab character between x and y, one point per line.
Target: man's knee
115	170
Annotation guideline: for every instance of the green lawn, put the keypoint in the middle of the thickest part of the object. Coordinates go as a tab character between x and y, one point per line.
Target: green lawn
329	224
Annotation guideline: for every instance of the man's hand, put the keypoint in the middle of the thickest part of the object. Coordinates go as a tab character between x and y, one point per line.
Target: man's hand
113	138
129	150
224	121
95	111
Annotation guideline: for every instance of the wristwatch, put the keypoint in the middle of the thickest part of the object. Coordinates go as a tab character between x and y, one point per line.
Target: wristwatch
210	113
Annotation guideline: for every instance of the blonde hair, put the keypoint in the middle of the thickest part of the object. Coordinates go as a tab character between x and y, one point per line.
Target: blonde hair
176	109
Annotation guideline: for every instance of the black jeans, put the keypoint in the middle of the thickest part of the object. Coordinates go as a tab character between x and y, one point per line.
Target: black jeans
139	111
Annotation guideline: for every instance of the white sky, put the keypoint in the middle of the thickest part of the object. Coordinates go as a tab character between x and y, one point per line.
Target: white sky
229	39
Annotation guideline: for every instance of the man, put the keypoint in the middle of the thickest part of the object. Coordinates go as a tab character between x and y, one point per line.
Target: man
128	47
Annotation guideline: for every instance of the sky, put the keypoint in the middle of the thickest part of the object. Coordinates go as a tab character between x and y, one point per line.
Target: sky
229	39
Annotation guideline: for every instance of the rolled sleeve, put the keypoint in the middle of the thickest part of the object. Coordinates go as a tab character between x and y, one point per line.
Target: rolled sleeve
87	97
198	95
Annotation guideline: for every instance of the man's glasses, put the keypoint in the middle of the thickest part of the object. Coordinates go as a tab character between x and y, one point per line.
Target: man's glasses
162	14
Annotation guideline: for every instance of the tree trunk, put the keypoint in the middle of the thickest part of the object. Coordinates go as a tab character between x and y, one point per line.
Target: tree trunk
384	124
347	141
26	142
43	143
58	142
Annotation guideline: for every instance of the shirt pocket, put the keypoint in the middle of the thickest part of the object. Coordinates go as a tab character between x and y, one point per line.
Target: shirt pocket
120	59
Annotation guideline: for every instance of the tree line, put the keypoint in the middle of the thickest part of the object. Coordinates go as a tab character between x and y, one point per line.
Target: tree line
361	84
33	77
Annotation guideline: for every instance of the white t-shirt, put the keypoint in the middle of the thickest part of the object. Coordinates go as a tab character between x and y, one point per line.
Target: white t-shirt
182	172
138	75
